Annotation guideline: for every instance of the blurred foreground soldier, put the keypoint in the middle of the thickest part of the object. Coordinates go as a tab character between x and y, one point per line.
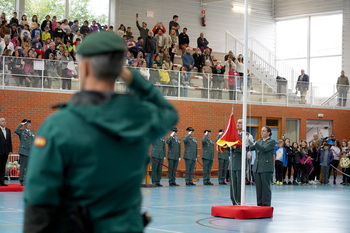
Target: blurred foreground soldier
190	155
89	159
223	161
26	137
158	153
207	156
174	156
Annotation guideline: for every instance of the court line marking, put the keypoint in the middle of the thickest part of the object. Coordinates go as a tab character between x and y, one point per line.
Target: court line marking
145	192
176	206
163	230
10	223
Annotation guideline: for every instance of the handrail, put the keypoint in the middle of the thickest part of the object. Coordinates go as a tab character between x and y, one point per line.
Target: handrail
327	101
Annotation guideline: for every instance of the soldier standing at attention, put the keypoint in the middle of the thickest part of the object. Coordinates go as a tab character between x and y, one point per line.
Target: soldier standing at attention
26	137
158	153
190	155
223	161
174	156
89	159
207	156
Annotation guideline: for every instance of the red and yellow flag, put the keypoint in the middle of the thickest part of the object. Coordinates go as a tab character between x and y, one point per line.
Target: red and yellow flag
229	137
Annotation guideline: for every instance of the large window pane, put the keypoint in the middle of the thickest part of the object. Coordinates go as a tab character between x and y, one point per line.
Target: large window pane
8	7
291	38
326	35
41	8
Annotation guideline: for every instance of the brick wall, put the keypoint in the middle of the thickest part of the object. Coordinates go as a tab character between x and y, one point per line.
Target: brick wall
16	105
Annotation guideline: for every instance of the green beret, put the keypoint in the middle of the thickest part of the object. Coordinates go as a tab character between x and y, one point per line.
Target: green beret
101	42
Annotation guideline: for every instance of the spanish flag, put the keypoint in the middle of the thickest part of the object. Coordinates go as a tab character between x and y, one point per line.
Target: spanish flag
230	136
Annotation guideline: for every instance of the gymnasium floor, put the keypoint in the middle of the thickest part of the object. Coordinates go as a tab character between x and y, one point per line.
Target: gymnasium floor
311	208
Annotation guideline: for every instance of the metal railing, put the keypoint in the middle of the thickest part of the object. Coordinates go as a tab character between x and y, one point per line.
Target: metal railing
62	76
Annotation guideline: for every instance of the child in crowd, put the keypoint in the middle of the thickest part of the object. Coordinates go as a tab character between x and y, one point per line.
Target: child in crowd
280	161
54	23
75	27
46	34
26	43
158	61
345	165
14	30
37	31
84	30
326	158
25	31
77	36
306	164
65	25
59	31
296	154
36	44
14	19
128	33
24	21
34	22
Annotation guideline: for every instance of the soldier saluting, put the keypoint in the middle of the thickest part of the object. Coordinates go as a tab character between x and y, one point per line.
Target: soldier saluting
190	155
223	161
158	154
174	156
207	156
26	137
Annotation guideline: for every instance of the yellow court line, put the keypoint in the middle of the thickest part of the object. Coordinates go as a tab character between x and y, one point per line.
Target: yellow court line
10	223
146	191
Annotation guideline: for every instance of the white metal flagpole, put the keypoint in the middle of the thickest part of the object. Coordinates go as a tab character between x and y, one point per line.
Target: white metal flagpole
244	127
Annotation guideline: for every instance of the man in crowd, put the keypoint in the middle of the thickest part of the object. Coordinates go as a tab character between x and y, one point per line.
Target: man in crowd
331	139
160	42
158	154
230	55
207	156
303	86
26	138
223	161
202	43
93	27
190	155
343	88
51	49
148	48
187	60
174	24
143	30
218	80
5	149
72	185
174	156
184	40
157	27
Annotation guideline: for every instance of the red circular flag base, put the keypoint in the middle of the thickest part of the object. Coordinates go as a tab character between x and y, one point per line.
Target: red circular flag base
242	212
12	188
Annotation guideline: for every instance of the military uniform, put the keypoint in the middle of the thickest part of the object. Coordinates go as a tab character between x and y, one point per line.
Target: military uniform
26	138
236	169
174	156
207	157
223	162
263	170
158	153
89	159
190	156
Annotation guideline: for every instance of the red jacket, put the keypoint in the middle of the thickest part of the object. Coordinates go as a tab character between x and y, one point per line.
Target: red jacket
231	77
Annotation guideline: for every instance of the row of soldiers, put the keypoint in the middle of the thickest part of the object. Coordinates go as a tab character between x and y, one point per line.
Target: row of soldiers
158	154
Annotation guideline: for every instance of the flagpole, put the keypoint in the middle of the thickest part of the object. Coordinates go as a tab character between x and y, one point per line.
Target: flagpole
244	138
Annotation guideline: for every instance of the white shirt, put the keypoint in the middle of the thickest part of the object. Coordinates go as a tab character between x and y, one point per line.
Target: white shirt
279	154
3	131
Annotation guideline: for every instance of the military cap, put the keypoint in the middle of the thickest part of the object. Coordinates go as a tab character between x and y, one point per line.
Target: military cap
26	120
100	43
221	130
174	130
190	129
207	130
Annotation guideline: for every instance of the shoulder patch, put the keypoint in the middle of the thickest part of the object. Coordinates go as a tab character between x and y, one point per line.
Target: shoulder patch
40	142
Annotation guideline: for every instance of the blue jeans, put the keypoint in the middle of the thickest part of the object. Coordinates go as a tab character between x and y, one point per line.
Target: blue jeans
149	59
184	90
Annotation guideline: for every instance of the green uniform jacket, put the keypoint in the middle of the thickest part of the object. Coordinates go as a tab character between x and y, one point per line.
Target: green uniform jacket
264	155
208	148
224	155
95	156
174	148
190	147
236	159
158	149
26	138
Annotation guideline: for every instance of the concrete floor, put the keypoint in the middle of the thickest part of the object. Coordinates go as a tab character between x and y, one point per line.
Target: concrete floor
311	208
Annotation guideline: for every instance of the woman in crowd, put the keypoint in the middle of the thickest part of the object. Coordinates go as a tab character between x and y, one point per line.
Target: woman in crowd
121	30
17	68
344	148
289	166
296	154
23	21
172	44
34	22
185	82
306	164
207	74
240	69
233	76
228	66
65	25
335	148
315	162
145	71
263	166
164	78
66	73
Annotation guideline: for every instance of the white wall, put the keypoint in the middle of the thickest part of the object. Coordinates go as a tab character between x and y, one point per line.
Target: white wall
346	37
219	18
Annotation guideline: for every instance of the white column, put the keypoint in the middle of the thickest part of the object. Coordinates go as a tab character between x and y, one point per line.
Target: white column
19	8
66	10
113	15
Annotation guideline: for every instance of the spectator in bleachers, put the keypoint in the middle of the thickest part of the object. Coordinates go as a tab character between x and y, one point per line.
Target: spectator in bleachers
129	58
230	55
198	60
233	75
17	68
157	61
157	27
23	21
54	23
184	40
4	30
77	35
65	26
2	18
50	50
207	57
129	33
173	84
144	71
59	32
303	86
14	19
121	30
187	60
66	73
6	45
93	27
46	23
139	59
15	41
185	81
68	36
305	166
84	30
132	46
25	31
172	44
336	150
110	29
75	27
155	78
14	30
53	79
58	42
143	30
46	44
168	63
46	34
29	68
149	48
37	32
174	24
160	42
60	52
228	66
342	88
139	44
240	69
207	77
34	22
164	78
218	79
202	43
26	45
